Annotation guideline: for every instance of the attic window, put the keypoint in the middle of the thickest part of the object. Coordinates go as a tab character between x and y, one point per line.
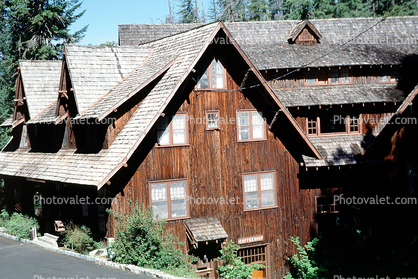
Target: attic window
213	77
304	33
24	141
332	123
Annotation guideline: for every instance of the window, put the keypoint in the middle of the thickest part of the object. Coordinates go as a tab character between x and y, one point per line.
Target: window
213	77
389	74
259	190
172	130
168	199
251	126
24	141
212	120
256	255
325	204
325	76
333	123
65	137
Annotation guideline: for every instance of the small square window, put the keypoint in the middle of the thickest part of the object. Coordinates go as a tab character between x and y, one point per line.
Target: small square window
212	120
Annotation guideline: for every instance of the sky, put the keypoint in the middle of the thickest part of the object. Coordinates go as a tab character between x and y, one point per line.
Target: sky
104	16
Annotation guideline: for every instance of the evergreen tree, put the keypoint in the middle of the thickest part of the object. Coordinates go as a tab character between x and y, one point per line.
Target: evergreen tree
258	10
188	11
214	10
275	7
32	29
232	10
298	9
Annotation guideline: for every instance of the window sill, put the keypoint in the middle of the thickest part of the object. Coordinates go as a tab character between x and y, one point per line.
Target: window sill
176	219
334	134
254	140
260	208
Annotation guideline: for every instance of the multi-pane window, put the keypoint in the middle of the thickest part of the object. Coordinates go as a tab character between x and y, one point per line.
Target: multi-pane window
388	74
24	142
212	120
213	77
255	255
168	199
172	130
326	204
354	124
250	126
312	126
259	190
325	76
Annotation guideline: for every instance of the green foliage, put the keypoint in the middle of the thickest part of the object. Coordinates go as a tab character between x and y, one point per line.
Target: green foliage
112	43
302	265
258	10
232	266
17	224
142	240
232	10
188	11
79	238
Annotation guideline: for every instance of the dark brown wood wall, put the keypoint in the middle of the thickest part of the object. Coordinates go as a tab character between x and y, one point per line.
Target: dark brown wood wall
214	163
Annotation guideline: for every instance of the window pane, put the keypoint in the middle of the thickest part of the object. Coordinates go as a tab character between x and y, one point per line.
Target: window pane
158	192
267	198
179	136
244	133
212	120
179	121
257	118
384	75
332	123
310	77
394	73
258	132
217	67
163	137
334	75
217	81
345	77
178	208
178	190
251	200
243	118
266	181
204	80
250	183
160	209
24	138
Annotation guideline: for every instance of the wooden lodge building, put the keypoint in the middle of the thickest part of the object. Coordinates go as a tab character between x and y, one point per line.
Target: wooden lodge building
239	131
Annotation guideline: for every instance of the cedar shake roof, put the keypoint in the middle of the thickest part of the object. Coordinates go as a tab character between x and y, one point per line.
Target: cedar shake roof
266	45
205	229
96	70
8	122
336	150
339	94
107	68
41	83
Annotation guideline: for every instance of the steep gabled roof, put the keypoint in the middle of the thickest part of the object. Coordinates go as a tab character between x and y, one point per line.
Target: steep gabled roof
265	43
41	81
96	70
299	27
339	95
97	169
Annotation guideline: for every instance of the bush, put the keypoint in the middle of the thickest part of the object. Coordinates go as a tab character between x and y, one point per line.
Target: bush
140	241
302	265
232	266
17	224
79	238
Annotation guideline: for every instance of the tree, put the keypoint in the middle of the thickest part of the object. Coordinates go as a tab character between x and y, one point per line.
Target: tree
188	11
298	9
214	10
232	10
258	10
32	29
275	7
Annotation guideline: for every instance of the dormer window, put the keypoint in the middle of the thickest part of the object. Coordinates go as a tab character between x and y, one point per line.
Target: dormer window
330	123
304	33
213	77
24	140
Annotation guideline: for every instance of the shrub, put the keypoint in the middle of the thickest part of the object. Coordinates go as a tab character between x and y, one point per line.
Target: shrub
79	238
232	266
17	224
302	265
140	240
